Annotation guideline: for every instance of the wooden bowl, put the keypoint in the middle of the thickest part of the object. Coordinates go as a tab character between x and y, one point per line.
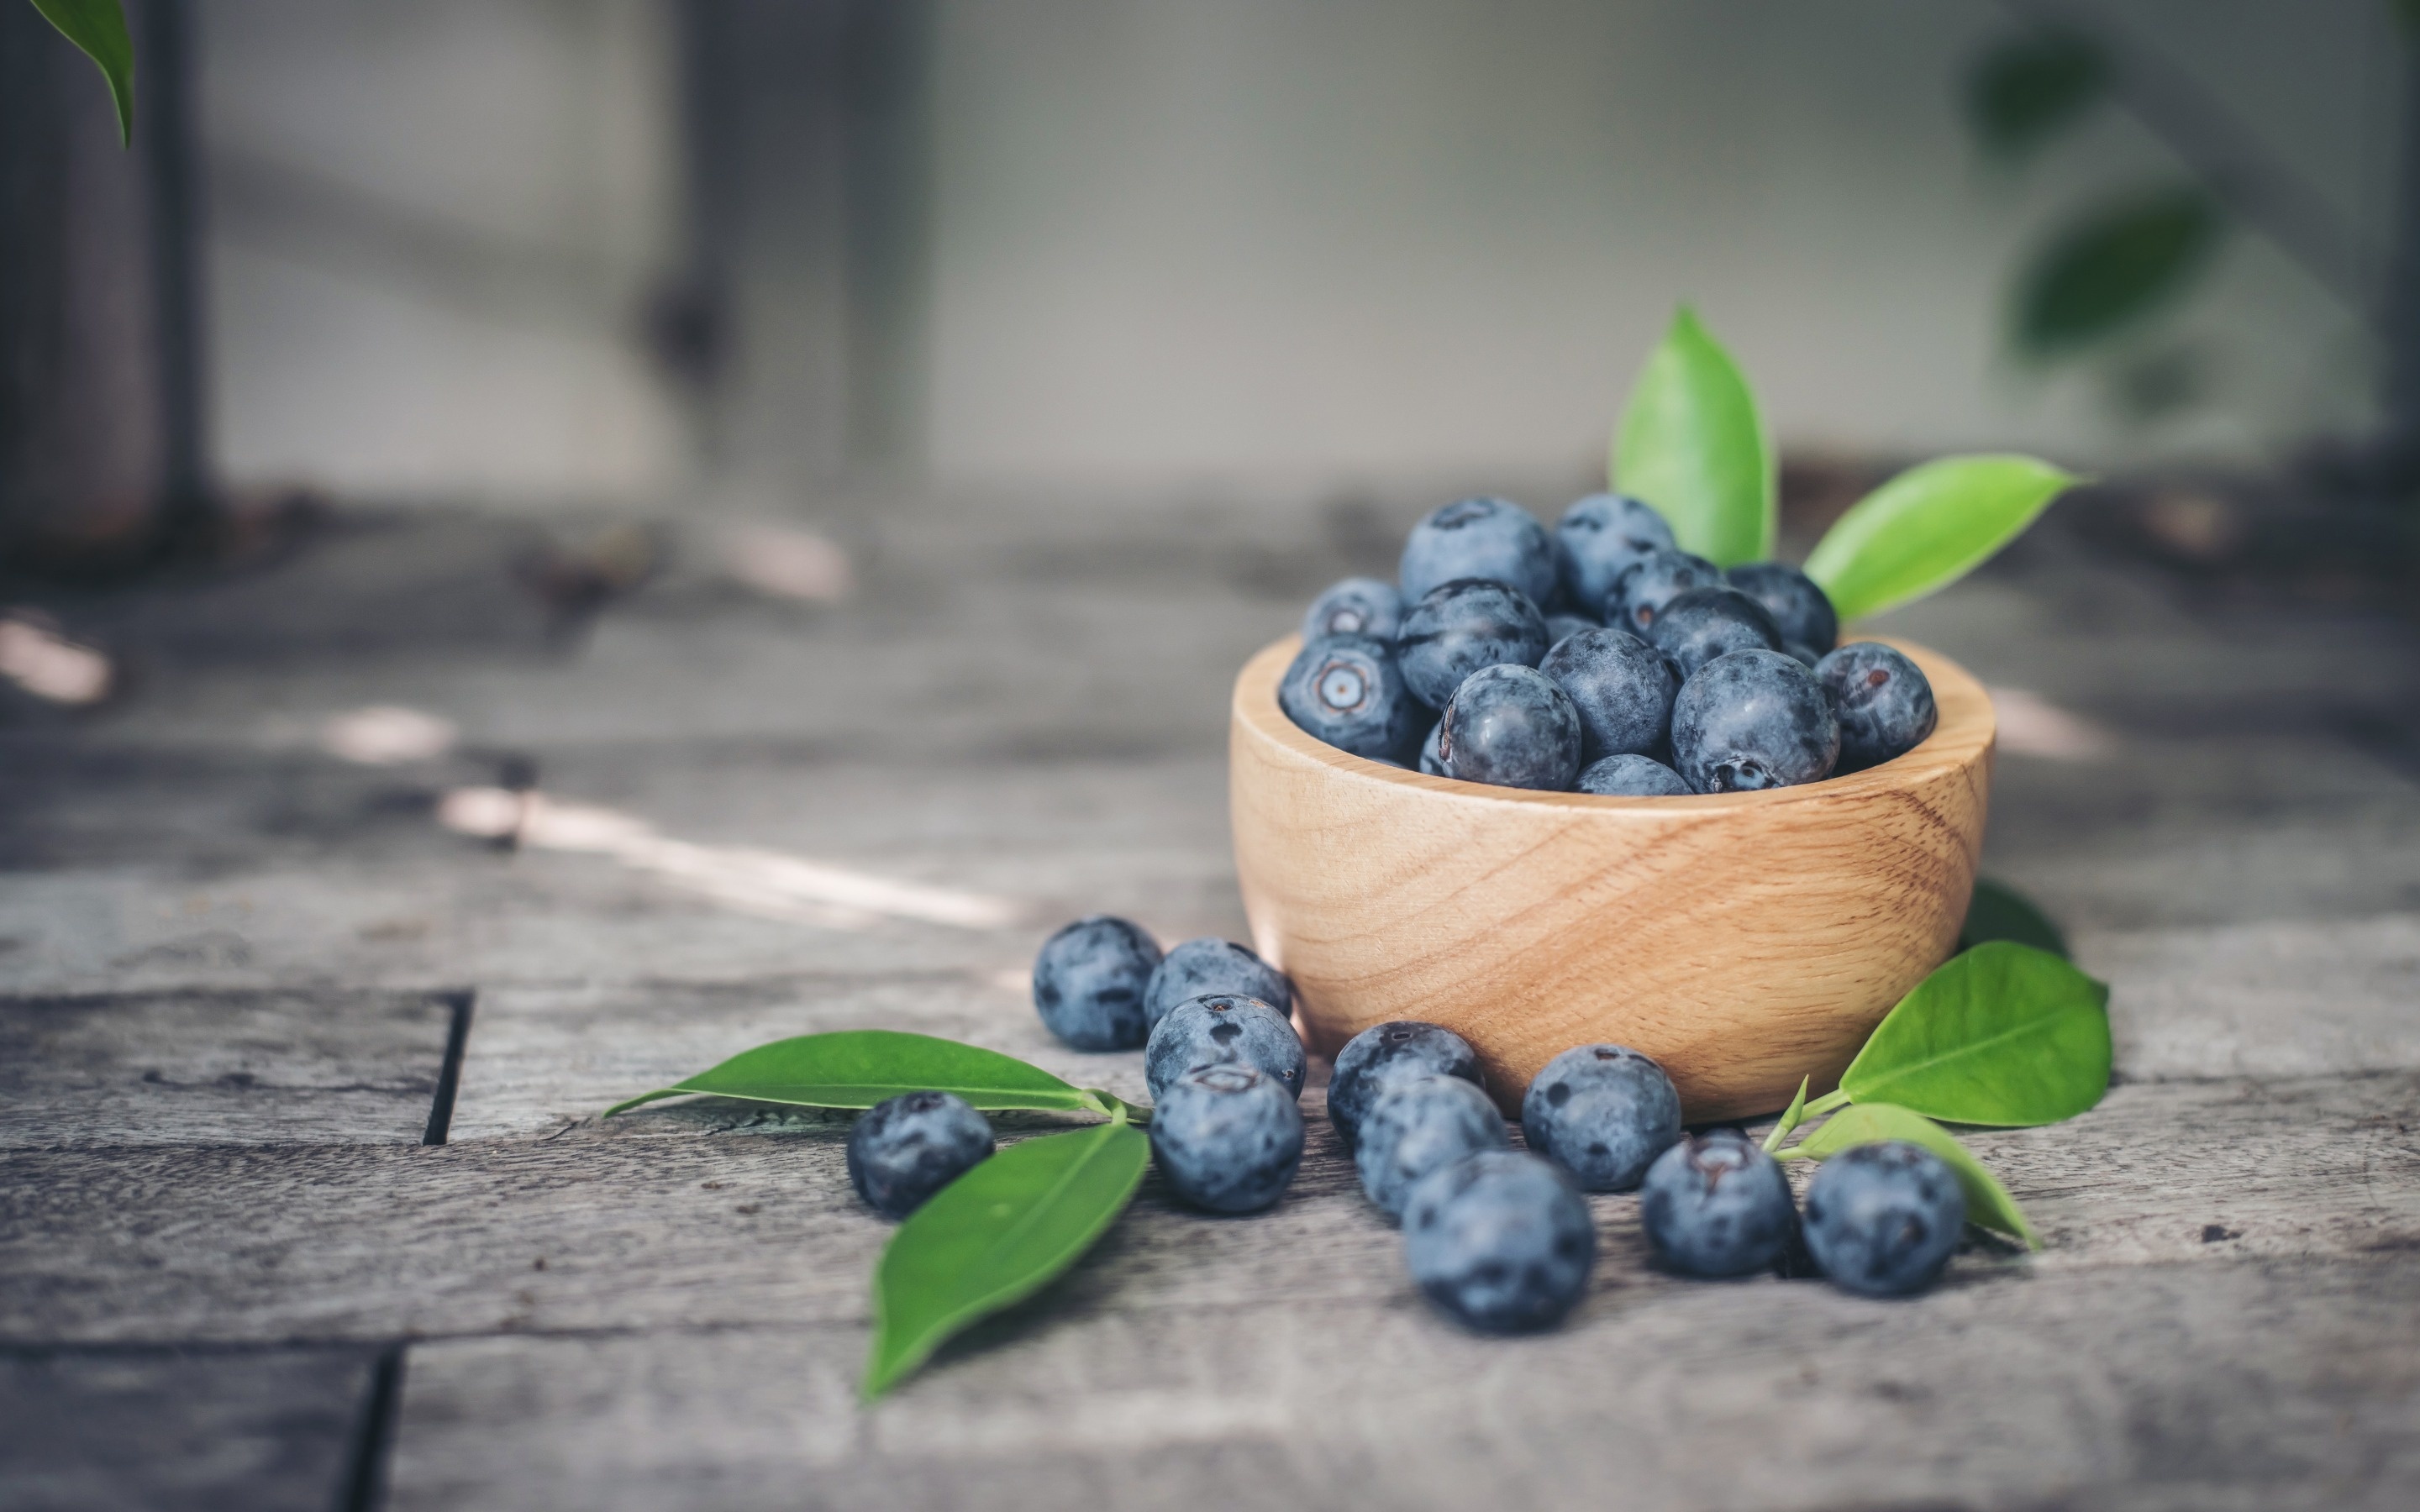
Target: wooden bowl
1743	939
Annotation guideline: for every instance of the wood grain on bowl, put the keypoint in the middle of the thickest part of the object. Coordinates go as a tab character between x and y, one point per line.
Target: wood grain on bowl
1743	939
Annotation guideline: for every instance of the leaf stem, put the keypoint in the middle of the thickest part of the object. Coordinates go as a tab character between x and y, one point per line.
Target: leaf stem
1829	1102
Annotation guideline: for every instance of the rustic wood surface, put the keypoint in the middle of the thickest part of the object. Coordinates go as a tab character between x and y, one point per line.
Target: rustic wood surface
247	1281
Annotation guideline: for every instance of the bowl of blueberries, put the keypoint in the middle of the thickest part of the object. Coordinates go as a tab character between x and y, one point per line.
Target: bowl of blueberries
1572	786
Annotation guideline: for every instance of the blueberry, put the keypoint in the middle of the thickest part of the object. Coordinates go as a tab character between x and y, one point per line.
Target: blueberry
1800	609
1356	606
904	1149
1511	727
1227	1137
1384	1054
1598	537
1501	1241
1705	622
1602	1112
1222	1027
1562	627
1462	626
1882	1219
1490	538
1431	761
1417	1124
1622	687
1753	719
1801	653
1631	777
1200	968
1883	702
1348	692
1652	582
1089	981
1716	1204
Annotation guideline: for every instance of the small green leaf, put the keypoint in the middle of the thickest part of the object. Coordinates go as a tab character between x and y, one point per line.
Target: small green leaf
1928	526
2024	90
859	1068
2118	263
1792	1117
2000	912
996	1236
97	28
1987	1203
1691	443
2002	1034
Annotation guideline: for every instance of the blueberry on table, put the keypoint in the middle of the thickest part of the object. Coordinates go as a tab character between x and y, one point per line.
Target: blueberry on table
1348	692
1562	627
1882	699
1501	1241
1200	968
1802	609
1384	1054
1417	1124
1622	687
1431	761
1598	537
1492	538
904	1149
1463	626
1705	622
1602	1112
1356	606
1511	727
1882	1219
1753	719
1089	981
1226	1137
1652	582
1222	1027
1716	1204
1631	777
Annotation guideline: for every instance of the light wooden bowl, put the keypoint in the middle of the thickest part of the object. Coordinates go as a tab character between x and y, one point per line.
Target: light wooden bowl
1743	939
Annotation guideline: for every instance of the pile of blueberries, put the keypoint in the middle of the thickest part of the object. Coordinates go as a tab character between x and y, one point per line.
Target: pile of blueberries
1600	658
1499	1238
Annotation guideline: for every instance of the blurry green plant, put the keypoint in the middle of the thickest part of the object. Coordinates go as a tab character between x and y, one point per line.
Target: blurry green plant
97	27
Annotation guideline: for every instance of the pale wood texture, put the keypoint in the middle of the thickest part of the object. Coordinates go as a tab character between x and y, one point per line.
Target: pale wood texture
1744	940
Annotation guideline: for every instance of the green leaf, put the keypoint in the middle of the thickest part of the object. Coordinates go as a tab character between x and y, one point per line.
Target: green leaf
2025	90
996	1236
1928	526
1987	1203
2118	263
859	1068
1792	1117
1691	443
2003	1034
97	27
2000	912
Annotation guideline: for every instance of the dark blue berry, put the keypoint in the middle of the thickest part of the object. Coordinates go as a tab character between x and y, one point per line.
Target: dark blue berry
1705	622
1417	1124
1602	1112
904	1149
1562	627
1348	692
1716	1204
1882	1219
1222	1027
1500	1241
1356	606
1622	687
1199	967
1631	777
1511	727
1384	1054
1491	538
1598	537
1801	653
1226	1137
1430	762
1800	609
1462	626
1882	699
1753	719
1089	981
1652	582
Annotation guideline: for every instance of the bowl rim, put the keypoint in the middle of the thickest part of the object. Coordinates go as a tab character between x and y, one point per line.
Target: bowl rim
1966	732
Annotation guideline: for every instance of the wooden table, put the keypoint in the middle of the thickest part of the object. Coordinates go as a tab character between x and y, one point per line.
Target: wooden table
303	1199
